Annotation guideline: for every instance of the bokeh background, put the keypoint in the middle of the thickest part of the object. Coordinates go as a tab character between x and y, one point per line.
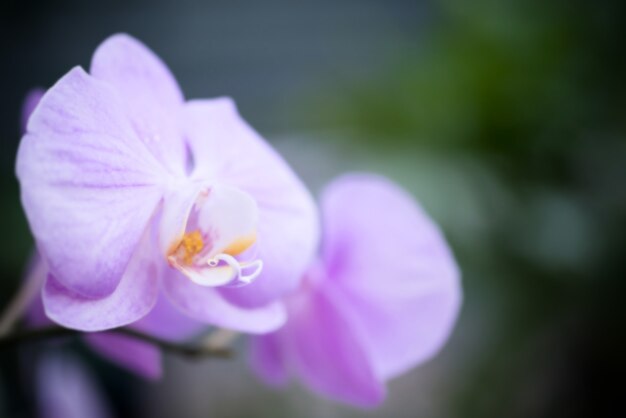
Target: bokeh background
506	119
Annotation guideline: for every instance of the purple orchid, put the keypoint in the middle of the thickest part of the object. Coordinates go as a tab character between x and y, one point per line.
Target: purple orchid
135	196
163	321
383	297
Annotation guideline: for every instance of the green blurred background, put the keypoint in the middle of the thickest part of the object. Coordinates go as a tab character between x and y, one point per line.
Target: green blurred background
505	119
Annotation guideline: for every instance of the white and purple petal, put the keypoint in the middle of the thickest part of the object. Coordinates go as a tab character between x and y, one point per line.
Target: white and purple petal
151	96
225	148
89	186
131	300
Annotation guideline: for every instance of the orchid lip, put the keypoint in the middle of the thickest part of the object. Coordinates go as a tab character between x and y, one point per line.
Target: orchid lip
239	277
212	270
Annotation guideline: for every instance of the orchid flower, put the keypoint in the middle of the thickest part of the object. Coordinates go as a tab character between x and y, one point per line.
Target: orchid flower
163	321
67	389
134	195
382	298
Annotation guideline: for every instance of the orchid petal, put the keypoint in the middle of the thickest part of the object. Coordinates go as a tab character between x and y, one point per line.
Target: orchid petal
214	276
326	351
206	304
225	148
133	298
394	268
267	358
229	214
177	206
168	322
222	213
151	95
130	353
89	187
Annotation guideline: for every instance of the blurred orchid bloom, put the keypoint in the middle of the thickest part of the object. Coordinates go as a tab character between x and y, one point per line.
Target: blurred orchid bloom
383	297
131	193
65	389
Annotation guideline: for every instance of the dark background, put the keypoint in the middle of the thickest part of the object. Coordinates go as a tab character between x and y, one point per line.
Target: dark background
506	119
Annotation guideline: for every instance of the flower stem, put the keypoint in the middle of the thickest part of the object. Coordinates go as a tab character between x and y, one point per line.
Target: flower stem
24	297
220	338
187	350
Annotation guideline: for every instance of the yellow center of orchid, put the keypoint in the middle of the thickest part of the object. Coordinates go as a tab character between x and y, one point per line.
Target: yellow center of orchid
240	245
214	268
190	245
218	229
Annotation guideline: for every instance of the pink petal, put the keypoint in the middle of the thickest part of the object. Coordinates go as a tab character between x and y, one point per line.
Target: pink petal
325	351
394	269
130	353
89	185
168	322
207	305
133	298
267	358
150	92
227	149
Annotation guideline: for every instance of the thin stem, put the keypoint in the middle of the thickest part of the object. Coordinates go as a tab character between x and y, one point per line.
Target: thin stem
220	338
187	350
22	300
